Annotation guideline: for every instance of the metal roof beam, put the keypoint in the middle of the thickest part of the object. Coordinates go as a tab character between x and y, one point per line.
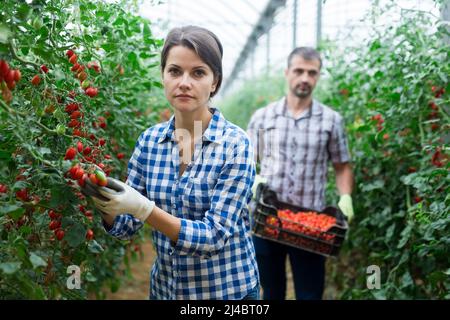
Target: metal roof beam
264	24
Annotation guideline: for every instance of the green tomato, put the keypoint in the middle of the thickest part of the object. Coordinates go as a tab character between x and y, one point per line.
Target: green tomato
37	23
101	177
85	84
60	129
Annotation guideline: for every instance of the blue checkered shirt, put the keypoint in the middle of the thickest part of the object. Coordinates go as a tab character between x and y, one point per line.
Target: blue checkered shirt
214	257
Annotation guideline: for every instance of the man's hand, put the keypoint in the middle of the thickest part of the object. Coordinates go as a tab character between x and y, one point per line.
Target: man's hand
346	206
258	180
119	198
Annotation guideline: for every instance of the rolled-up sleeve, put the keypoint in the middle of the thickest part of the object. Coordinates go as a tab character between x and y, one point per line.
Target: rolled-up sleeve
338	144
231	195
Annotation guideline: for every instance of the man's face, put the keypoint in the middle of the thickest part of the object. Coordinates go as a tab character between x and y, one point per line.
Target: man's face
302	76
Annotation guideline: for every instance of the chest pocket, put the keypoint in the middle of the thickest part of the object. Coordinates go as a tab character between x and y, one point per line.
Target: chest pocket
197	196
274	140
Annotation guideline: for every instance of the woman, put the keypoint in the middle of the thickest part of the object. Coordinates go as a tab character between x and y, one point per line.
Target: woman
190	178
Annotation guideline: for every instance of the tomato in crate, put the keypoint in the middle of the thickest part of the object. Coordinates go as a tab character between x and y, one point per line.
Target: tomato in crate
319	232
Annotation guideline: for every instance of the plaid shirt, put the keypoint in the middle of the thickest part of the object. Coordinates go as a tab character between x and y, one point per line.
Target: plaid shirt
214	257
294	153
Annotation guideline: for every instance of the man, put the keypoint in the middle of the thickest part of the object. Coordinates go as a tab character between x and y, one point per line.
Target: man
294	138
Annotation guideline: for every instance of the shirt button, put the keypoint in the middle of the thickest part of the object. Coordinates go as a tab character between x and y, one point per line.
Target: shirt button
175	274
174	206
171	252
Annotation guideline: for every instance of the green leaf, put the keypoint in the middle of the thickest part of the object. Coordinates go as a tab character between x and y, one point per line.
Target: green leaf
10	267
39	293
378	184
406	280
25	230
375	45
18	185
25	50
23	12
44	151
88	38
4	33
13	210
379	294
146	31
44	54
37	261
5	154
95	247
132	58
108	47
390	232
75	235
114	285
119	21
90	277
157	84
405	235
60	194
103	14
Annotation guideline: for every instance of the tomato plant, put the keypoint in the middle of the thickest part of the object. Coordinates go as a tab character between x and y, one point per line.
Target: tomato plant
79	82
393	94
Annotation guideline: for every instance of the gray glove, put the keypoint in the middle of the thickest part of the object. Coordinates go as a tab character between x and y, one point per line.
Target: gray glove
91	190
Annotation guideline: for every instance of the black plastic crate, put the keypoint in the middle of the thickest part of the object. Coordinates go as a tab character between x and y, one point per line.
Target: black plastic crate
269	226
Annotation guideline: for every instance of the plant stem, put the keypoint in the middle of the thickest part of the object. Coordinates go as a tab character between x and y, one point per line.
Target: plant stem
408	198
45	128
37	157
422	136
14	53
8	109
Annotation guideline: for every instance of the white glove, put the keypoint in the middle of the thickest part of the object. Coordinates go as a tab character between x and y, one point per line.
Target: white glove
258	180
123	199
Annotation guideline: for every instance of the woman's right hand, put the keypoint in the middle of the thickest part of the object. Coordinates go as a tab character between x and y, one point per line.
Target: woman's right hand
91	190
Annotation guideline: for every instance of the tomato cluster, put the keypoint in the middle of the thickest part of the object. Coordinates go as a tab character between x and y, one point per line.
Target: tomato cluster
3	188
80	73
308	223
311	224
55	224
300	224
434	115
272	226
94	174
378	118
8	80
438	159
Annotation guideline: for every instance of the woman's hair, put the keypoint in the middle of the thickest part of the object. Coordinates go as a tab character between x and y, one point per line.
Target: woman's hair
203	42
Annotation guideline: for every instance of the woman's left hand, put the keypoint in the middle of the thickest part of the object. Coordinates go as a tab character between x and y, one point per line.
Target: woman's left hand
123	199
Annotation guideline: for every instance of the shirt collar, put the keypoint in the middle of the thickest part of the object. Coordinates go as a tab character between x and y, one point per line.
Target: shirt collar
213	133
281	108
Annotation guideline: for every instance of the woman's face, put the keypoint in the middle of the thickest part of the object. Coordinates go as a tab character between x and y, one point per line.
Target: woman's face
188	81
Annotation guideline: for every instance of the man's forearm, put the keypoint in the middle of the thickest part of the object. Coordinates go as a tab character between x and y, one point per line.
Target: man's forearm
344	178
